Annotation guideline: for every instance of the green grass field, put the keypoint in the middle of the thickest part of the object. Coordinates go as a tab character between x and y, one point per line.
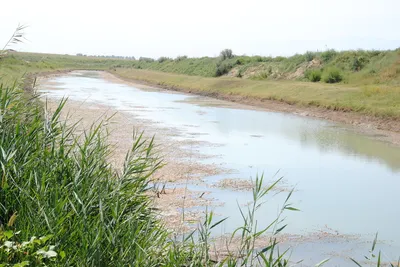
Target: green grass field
355	67
16	65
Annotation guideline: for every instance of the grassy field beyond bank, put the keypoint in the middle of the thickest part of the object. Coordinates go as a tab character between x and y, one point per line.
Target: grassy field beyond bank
17	65
353	67
377	100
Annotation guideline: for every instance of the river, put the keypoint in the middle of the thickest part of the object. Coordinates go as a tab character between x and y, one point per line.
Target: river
346	183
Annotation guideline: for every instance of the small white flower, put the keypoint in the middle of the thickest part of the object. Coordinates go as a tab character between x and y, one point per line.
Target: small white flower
47	254
8	244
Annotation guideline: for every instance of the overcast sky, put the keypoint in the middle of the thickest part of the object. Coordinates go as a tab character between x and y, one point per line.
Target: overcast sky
156	28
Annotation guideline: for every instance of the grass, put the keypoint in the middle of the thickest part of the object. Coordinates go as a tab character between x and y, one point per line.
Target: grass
16	65
60	184
313	75
381	101
332	75
358	66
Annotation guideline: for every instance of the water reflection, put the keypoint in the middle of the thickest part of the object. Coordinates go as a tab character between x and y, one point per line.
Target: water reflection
325	135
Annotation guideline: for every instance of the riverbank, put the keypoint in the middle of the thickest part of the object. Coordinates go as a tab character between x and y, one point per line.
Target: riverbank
294	98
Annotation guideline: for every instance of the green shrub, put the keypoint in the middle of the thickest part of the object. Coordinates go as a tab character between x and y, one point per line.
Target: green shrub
180	58
223	67
313	75
359	62
258	59
279	59
146	59
373	53
309	56
226	54
162	59
332	75
239	61
328	55
262	75
240	73
267	59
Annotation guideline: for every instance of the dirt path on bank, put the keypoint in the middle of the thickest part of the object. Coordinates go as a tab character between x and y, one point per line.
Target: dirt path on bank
387	130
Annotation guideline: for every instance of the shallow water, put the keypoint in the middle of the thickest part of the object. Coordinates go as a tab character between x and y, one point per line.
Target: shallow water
344	181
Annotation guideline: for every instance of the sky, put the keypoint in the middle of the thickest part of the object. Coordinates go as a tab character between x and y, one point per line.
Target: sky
154	28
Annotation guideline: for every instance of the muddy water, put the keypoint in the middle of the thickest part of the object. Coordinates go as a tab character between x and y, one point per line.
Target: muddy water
346	184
